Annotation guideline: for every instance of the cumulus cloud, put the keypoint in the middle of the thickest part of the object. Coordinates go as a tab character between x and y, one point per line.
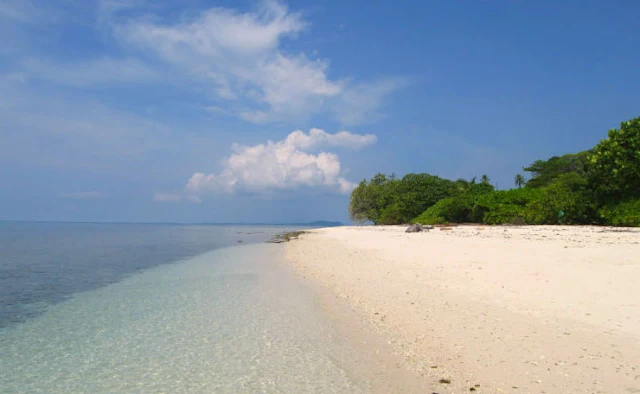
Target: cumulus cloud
282	165
239	57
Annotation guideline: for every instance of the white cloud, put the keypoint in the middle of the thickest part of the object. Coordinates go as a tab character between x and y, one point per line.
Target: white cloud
239	57
318	137
235	60
82	195
281	165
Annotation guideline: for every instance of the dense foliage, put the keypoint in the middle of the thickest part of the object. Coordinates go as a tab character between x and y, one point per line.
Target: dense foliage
388	200
543	172
457	209
614	165
623	214
599	186
504	206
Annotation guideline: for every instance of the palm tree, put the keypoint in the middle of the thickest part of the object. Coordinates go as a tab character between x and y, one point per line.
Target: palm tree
484	179
519	180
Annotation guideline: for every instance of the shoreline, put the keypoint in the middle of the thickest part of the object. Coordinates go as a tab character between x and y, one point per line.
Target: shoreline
490	308
379	365
231	320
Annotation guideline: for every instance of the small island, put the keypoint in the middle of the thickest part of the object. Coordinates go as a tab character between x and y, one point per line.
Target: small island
599	186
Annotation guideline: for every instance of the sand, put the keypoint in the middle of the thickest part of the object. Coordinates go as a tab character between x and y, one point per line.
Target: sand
532	309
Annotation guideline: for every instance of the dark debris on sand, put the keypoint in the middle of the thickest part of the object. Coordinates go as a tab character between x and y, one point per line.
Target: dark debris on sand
286	237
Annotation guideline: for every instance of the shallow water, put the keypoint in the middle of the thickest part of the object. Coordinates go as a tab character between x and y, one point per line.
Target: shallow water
45	263
228	321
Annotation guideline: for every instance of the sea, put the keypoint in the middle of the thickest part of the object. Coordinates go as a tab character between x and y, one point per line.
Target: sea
161	308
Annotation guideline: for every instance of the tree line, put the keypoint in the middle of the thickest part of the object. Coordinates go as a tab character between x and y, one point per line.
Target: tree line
597	186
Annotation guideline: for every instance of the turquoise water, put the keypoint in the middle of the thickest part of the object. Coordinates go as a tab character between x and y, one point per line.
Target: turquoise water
231	320
45	263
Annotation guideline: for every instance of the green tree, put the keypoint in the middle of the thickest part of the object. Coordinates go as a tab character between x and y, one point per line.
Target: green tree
557	203
597	186
417	192
361	203
614	164
393	214
457	209
370	198
385	199
544	172
504	206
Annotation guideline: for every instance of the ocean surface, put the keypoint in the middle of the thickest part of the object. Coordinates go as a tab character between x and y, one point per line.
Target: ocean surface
128	308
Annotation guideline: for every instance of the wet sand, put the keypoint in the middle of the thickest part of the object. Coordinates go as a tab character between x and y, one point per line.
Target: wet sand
487	309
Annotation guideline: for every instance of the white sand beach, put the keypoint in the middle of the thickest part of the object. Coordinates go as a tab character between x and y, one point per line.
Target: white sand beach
491	309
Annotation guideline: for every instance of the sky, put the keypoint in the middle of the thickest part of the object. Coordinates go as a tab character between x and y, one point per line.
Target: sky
272	111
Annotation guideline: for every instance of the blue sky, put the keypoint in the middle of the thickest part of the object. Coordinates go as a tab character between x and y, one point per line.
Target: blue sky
251	111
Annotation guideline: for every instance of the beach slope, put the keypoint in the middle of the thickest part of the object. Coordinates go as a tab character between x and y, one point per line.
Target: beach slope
544	309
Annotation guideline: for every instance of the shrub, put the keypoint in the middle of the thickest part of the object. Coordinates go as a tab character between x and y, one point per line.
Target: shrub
438	213
417	192
456	209
614	164
393	214
624	214
557	204
504	206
